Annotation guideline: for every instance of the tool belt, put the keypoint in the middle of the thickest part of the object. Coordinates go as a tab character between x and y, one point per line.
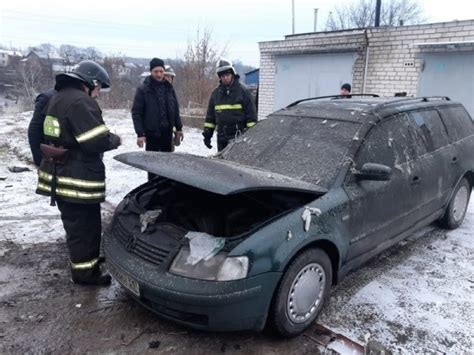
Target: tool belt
57	156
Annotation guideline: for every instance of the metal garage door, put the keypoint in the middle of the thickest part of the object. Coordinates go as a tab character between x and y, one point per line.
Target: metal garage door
449	74
302	76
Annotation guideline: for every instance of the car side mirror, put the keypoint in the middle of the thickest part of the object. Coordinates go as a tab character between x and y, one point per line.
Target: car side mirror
373	171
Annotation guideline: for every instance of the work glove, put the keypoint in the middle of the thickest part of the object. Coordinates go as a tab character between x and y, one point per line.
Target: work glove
207	134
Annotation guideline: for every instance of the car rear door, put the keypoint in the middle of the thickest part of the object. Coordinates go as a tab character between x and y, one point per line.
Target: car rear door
430	177
460	127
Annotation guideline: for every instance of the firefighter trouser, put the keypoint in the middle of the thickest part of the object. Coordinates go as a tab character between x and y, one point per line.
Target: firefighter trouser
82	223
162	143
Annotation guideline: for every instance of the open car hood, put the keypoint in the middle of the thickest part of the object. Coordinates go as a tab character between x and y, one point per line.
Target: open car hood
214	175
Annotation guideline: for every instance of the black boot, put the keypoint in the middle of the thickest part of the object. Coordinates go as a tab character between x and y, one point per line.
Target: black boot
90	277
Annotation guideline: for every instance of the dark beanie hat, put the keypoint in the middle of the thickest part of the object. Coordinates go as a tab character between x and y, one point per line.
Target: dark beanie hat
347	87
156	62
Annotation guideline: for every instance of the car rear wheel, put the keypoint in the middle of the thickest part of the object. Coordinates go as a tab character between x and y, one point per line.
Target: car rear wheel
457	207
302	293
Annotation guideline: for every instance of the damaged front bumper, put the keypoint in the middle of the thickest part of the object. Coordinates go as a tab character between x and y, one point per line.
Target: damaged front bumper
207	305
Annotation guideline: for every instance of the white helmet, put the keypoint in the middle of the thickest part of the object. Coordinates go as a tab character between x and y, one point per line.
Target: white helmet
169	71
224	65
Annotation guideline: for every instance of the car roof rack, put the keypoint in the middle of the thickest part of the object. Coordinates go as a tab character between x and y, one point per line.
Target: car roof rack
331	97
412	99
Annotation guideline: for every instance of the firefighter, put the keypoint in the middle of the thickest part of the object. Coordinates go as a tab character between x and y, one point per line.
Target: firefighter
169	77
169	74
231	107
72	172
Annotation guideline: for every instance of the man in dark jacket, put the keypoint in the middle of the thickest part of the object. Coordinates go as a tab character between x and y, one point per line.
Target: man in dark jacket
35	128
231	108
72	172
155	112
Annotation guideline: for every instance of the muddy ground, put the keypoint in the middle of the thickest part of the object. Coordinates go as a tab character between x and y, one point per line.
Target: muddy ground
41	311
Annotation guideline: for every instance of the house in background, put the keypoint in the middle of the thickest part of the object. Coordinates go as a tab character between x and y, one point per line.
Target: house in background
7	57
419	60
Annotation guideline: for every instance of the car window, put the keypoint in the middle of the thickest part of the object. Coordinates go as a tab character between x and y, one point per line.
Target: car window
429	130
389	143
458	122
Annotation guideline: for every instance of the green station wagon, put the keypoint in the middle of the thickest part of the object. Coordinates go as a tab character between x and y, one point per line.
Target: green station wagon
259	233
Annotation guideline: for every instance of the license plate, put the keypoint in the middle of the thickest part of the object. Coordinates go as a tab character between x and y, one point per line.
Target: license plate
126	281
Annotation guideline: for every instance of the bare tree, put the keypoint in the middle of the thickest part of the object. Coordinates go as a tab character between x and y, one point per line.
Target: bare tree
32	79
196	73
124	79
361	14
93	53
69	52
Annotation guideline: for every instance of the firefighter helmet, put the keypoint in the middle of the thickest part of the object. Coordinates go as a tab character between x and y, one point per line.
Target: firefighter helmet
90	73
224	65
169	71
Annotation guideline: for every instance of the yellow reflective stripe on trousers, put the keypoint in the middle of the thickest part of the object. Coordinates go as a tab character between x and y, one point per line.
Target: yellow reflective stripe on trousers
93	184
92	133
81	195
84	265
209	125
251	124
51	126
228	107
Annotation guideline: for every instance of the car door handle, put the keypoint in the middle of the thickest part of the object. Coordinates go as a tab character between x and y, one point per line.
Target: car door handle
454	160
415	180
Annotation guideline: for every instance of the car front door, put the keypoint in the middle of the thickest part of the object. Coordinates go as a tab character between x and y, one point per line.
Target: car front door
381	210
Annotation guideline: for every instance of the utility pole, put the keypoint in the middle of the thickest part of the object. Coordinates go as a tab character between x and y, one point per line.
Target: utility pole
293	16
377	13
315	20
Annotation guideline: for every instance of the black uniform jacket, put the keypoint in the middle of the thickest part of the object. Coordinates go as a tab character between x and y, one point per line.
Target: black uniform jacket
155	108
74	121
231	109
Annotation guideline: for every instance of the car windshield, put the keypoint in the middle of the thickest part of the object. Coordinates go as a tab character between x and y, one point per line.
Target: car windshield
305	148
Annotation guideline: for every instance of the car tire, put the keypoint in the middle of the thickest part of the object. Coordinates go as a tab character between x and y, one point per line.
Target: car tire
457	207
301	293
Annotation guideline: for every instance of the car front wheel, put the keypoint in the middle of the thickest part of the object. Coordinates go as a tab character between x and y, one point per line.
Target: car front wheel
302	293
457	207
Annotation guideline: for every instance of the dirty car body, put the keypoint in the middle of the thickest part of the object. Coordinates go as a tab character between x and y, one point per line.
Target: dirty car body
258	234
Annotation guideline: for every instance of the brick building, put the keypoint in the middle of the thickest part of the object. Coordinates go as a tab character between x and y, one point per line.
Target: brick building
429	59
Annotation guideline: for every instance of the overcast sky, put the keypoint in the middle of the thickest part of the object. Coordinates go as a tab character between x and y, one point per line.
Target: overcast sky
146	29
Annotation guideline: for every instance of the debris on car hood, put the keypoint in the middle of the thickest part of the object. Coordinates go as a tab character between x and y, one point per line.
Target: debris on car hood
214	175
203	246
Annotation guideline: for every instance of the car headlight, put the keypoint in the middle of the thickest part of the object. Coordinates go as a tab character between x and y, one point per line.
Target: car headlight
218	268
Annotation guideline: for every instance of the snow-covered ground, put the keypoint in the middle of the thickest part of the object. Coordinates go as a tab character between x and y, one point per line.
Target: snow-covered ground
17	192
415	298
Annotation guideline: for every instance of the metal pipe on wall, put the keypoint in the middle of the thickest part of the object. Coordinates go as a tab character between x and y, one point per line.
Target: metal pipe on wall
293	16
367	51
315	20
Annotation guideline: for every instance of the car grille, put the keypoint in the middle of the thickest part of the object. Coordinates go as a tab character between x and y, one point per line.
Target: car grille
137	246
